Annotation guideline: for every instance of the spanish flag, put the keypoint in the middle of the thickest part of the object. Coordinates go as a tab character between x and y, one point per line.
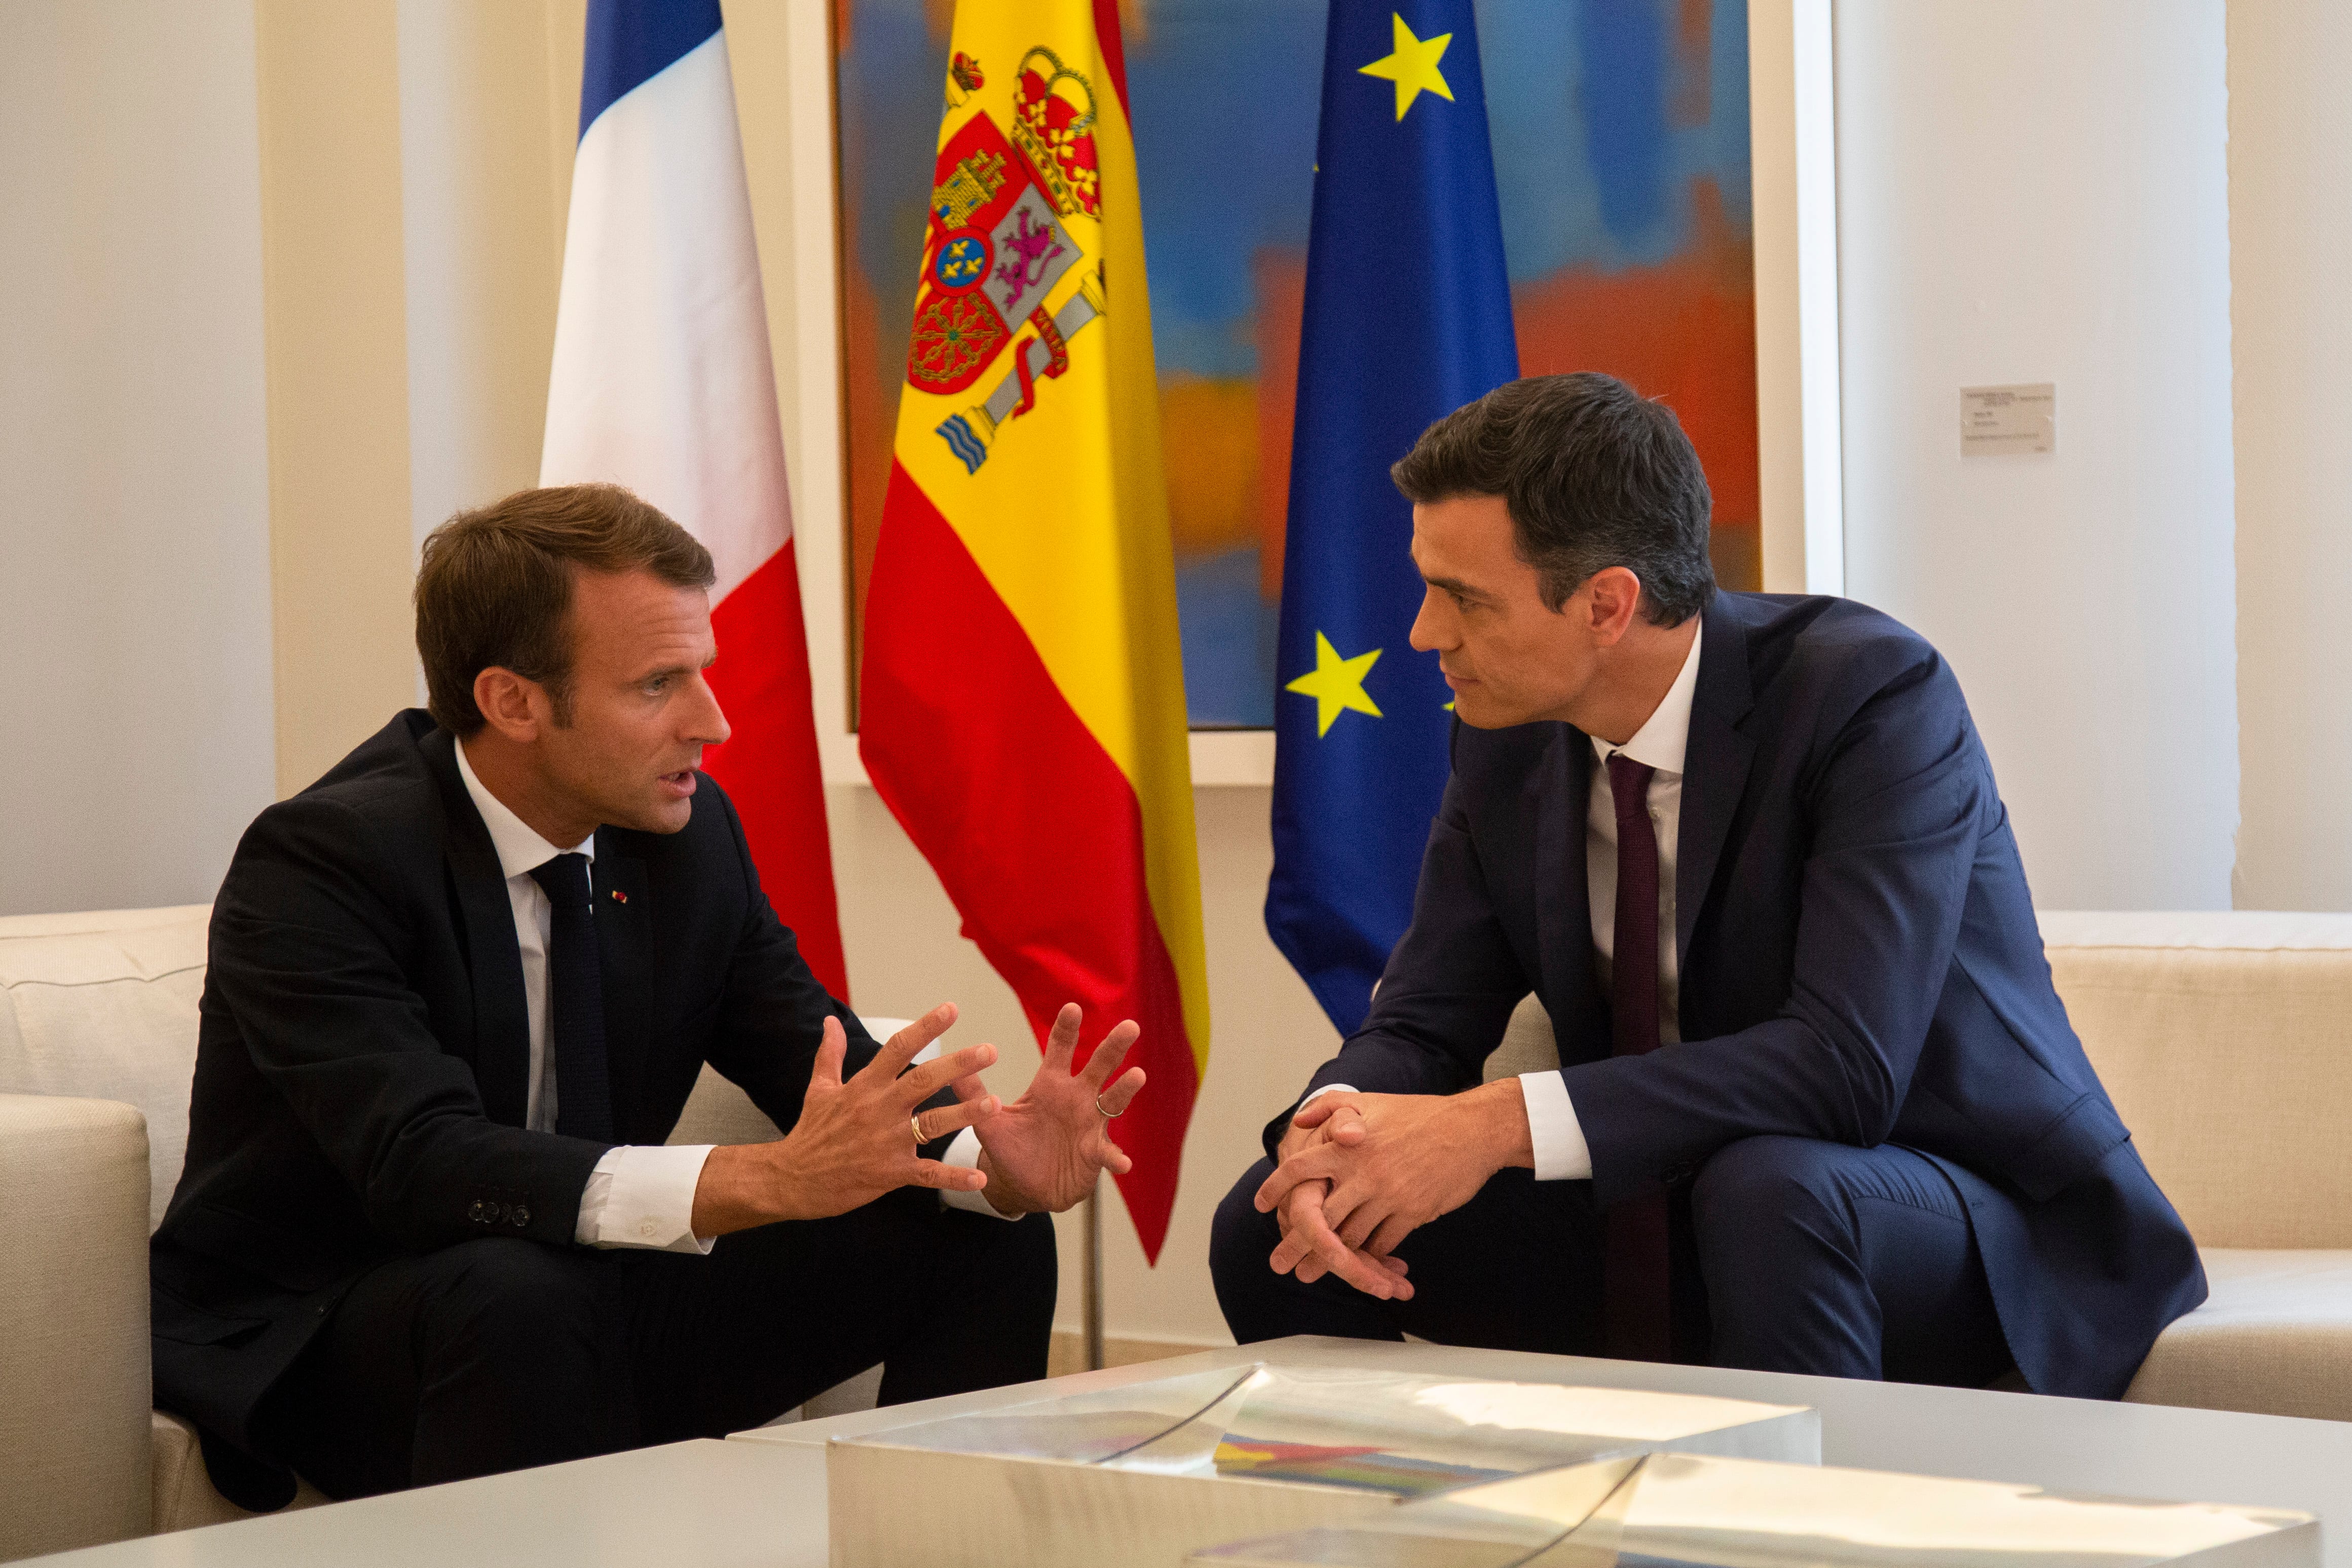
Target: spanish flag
1023	700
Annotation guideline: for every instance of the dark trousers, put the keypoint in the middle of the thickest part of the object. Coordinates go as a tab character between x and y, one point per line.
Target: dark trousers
1811	1258
502	1354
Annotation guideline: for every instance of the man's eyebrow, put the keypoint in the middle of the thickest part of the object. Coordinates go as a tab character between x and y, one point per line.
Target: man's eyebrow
1454	585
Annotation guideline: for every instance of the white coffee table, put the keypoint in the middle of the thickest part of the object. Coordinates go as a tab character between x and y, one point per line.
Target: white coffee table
759	1497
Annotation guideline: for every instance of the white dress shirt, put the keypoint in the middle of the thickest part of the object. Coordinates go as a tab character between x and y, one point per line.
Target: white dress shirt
639	1195
1557	1137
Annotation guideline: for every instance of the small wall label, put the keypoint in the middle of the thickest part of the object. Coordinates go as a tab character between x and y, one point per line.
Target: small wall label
1998	419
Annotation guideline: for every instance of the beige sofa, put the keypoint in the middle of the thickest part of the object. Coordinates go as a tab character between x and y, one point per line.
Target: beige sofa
2226	1039
98	1037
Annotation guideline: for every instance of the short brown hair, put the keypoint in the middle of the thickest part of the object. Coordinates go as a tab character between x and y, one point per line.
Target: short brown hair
1593	474
495	588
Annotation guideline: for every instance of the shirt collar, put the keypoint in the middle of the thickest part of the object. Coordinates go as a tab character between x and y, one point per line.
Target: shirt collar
521	848
1665	736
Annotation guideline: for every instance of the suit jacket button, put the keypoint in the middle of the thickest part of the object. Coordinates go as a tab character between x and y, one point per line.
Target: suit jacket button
519	1214
475	1214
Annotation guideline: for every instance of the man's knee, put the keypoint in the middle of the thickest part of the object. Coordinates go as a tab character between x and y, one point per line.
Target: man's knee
1758	1189
511	1296
1241	1239
1024	1271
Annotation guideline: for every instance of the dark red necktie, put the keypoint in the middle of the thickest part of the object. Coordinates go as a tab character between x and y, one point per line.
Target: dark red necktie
1636	1301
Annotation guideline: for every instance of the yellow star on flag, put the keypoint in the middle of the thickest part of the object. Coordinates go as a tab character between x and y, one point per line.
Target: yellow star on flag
1412	65
1336	683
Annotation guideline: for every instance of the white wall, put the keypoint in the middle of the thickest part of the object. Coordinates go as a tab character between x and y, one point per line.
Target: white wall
2032	191
134	526
2291	314
485	165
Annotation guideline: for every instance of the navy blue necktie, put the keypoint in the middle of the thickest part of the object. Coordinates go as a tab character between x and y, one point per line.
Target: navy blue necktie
576	996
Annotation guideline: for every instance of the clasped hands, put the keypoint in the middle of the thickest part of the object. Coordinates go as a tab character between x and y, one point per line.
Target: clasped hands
1356	1173
856	1138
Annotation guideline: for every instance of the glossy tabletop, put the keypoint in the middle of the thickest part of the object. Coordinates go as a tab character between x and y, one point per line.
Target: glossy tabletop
2068	1444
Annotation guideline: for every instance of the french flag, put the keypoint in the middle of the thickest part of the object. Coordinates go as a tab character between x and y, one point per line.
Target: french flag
662	383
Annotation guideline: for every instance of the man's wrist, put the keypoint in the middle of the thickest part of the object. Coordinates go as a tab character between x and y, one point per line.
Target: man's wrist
999	1192
1499	1111
738	1189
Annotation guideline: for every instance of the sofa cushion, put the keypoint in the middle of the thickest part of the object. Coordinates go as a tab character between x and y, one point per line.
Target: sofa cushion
2225	1039
185	1495
719	1112
1528	1044
103	1005
2274	1338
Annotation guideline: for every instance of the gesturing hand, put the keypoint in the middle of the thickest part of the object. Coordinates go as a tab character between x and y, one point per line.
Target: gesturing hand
855	1140
1044	1151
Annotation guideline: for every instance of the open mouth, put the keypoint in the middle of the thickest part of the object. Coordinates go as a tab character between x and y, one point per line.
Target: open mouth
680	783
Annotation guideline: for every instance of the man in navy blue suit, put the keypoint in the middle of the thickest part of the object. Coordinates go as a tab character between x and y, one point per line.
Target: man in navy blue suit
1819	1107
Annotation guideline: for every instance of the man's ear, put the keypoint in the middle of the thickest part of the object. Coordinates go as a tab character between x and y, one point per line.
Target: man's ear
1615	598
514	707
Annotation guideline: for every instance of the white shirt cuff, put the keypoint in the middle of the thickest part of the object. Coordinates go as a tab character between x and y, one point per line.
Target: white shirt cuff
1561	1152
1326	1089
965	1151
642	1195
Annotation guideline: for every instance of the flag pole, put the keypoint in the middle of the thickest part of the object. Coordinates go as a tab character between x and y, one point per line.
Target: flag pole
1091	1286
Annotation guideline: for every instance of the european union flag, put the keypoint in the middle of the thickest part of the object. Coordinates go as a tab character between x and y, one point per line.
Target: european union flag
1408	316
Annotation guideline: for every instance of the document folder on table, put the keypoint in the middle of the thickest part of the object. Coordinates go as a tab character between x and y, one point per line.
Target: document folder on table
1146	1473
1686	1510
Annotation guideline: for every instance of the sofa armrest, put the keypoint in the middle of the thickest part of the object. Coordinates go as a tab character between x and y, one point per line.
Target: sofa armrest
75	1365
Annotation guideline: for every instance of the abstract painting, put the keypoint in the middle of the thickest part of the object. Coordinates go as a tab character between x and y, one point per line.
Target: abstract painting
1621	143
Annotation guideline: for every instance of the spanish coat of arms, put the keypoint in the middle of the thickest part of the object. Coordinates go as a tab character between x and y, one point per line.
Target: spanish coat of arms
995	247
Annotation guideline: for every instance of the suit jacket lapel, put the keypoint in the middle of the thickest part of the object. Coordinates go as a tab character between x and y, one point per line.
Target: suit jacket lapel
501	1020
624	941
1715	768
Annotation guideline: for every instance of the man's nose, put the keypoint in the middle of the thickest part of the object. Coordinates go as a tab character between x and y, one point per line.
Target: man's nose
1424	637
706	725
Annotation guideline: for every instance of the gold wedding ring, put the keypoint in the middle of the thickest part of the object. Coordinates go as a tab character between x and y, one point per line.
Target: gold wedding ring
1106	1115
916	1121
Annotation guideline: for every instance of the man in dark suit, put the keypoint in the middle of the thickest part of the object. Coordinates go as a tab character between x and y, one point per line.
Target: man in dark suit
459	990
1820	1108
